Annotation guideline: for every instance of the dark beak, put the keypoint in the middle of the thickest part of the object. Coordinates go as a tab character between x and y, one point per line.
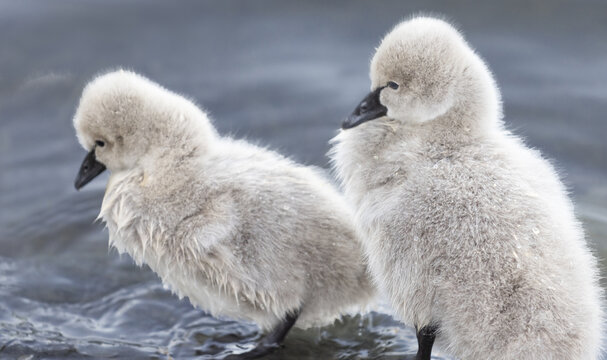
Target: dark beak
368	109
89	169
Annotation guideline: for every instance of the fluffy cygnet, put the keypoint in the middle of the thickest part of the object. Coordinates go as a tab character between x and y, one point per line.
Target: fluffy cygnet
469	232
241	231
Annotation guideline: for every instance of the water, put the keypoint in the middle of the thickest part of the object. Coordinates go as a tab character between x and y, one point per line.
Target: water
281	73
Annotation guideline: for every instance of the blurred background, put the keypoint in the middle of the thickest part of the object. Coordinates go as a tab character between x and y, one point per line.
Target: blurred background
281	73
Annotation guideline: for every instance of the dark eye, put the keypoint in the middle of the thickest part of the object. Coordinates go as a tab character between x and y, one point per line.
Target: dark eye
392	85
100	143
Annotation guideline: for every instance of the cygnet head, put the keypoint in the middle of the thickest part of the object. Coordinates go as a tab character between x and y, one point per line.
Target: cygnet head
124	119
422	69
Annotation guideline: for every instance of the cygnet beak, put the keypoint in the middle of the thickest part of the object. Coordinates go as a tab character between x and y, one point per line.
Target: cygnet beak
368	109
89	169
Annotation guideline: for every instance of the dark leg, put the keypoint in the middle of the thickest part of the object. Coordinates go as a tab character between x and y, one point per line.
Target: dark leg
425	340
270	342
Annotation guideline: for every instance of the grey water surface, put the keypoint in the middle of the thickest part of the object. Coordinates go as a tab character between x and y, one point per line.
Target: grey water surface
281	73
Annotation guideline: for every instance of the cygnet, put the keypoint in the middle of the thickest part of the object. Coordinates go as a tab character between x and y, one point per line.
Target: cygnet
239	230
469	232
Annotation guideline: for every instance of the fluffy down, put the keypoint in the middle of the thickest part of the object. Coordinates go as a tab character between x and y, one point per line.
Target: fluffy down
463	225
239	230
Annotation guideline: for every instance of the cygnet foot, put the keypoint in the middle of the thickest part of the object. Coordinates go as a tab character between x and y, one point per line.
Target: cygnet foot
425	340
269	343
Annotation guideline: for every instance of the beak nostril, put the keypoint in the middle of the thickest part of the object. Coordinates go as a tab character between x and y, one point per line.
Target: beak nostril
369	108
364	107
89	169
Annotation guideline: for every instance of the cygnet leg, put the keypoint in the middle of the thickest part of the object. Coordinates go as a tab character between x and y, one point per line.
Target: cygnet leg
425	340
271	341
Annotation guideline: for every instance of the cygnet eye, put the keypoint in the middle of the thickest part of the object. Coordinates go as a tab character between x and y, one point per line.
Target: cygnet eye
100	143
392	85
